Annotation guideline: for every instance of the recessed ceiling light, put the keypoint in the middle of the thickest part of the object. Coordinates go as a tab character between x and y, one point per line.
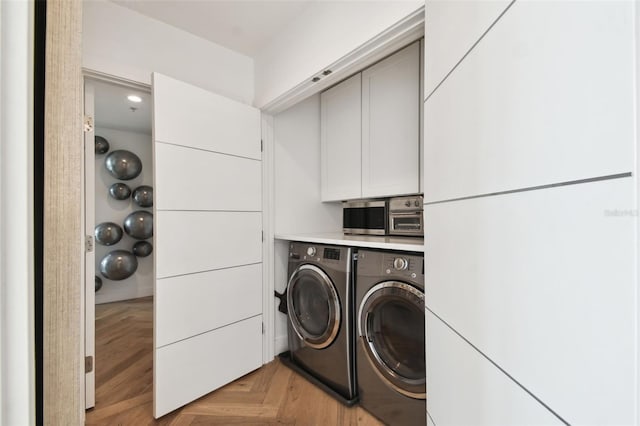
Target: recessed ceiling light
134	98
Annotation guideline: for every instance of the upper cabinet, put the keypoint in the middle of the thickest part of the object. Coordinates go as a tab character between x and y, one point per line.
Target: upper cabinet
545	97
341	140
370	145
390	125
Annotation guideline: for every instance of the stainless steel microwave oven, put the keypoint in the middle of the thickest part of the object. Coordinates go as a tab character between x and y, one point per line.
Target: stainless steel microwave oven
368	217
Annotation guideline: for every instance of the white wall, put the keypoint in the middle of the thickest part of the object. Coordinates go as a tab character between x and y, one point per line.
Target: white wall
298	208
325	32
17	353
108	209
297	205
124	43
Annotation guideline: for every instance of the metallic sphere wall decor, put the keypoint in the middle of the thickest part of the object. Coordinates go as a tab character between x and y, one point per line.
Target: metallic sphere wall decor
125	226
120	191
139	225
143	196
142	248
118	265
101	145
123	164
108	233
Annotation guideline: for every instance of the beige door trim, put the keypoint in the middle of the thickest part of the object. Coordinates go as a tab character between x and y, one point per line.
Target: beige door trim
63	231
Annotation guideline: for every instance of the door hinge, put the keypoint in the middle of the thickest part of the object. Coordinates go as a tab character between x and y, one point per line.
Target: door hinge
262	235
88	123
262	328
88	364
88	243
261	145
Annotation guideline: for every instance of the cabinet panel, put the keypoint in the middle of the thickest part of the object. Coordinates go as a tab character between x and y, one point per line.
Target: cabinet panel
544	283
206	301
206	180
193	241
390	125
464	388
546	97
205	120
194	367
453	26
341	140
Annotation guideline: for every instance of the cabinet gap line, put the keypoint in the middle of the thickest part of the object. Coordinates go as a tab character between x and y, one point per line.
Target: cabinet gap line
500	368
470	49
208	331
535	188
209	151
432	421
208	270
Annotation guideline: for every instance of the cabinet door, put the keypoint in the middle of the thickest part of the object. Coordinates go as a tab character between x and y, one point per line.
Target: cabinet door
547	96
208	245
544	283
464	388
391	124
340	142
453	27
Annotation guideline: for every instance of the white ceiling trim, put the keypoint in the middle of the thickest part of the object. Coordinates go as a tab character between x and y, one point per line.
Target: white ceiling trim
399	35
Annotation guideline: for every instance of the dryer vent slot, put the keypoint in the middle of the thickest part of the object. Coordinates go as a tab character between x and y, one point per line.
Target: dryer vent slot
282	307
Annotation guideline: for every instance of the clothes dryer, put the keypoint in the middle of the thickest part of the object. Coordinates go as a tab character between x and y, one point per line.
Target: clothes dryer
390	349
320	314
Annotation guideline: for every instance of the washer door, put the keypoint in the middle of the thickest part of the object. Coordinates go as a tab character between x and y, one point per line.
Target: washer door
314	306
391	329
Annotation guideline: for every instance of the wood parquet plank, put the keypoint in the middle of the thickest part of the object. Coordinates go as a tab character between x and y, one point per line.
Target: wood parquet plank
271	395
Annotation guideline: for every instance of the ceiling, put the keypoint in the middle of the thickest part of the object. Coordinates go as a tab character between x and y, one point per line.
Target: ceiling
245	26
113	109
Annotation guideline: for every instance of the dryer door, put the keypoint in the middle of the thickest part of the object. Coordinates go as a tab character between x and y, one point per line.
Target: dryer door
314	306
391	330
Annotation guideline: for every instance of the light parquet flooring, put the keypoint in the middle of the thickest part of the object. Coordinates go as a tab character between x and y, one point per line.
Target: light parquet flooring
271	395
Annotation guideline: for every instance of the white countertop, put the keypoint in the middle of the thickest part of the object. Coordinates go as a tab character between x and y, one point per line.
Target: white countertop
371	241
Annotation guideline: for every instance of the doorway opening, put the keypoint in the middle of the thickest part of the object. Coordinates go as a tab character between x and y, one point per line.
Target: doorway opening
119	265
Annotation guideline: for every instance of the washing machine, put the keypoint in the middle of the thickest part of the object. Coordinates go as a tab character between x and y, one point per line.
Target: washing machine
320	314
390	349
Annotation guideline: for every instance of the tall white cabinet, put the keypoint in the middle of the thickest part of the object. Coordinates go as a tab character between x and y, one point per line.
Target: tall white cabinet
370	123
530	213
534	104
208	242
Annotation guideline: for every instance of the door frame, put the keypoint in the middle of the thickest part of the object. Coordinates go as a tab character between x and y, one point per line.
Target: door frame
88	202
63	241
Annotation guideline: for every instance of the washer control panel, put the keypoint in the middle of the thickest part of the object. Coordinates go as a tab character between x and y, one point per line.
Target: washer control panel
318	253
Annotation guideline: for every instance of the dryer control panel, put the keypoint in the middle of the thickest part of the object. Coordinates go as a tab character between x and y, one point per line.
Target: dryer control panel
399	264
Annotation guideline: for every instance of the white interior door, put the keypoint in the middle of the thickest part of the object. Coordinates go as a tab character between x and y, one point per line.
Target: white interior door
89	260
208	242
